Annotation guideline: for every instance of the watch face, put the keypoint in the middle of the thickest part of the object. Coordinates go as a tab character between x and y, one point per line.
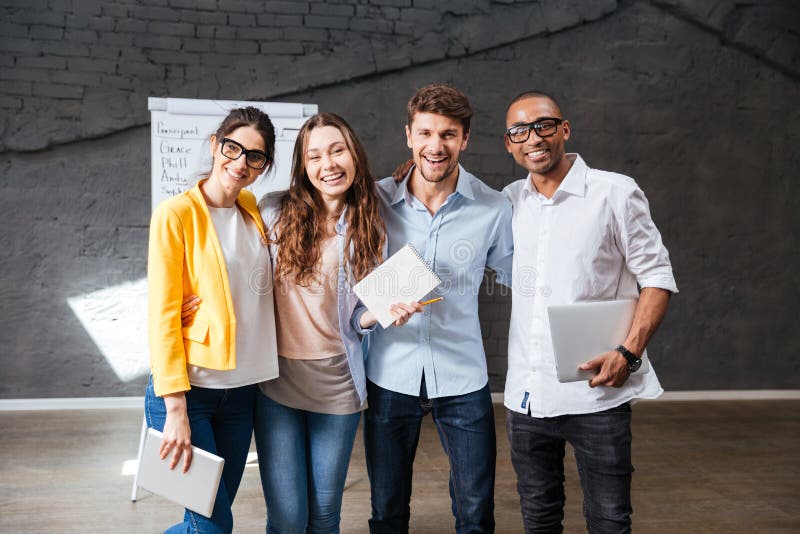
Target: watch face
636	364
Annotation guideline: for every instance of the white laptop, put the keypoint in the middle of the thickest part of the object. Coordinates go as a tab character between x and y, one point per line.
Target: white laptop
583	330
196	489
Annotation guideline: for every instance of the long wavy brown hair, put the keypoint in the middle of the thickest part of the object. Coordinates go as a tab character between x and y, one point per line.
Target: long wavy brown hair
302	225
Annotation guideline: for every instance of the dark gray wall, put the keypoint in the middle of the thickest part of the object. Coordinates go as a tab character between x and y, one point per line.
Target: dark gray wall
696	100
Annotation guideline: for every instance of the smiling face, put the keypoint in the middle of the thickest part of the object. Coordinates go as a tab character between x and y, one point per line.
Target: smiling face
436	141
330	166
231	175
540	156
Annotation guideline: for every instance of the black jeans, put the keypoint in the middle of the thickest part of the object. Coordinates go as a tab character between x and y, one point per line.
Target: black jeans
602	443
466	431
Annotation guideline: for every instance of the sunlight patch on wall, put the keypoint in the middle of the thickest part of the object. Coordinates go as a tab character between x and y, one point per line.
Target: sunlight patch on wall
116	320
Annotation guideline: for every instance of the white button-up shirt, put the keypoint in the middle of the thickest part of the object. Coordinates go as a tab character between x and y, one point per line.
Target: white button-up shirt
593	240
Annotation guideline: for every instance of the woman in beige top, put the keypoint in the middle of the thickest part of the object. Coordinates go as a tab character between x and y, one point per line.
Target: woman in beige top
326	234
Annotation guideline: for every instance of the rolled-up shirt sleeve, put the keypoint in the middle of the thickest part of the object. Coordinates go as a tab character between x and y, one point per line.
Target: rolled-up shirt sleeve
355	321
645	254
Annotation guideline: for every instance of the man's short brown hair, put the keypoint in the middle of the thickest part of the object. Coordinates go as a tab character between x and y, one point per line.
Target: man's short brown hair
442	99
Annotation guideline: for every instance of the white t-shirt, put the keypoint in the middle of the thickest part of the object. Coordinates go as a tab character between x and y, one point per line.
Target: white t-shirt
250	279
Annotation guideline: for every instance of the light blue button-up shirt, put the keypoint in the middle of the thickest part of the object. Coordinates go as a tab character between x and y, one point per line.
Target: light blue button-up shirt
470	231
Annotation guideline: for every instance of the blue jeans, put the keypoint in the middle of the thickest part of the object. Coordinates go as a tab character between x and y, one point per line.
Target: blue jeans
221	421
602	444
466	430
303	459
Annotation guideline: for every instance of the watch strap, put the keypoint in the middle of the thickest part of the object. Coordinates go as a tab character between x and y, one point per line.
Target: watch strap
633	360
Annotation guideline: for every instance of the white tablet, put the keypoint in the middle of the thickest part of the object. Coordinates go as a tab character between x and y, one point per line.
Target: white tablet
196	489
583	330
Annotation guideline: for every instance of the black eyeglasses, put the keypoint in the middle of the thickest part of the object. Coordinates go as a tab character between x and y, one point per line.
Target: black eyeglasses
544	128
255	159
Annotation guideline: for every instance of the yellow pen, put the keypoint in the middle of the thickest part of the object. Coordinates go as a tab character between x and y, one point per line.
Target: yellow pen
437	299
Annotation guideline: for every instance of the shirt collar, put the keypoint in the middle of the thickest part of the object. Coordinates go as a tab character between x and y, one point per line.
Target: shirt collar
464	183
341	224
574	183
401	192
463	186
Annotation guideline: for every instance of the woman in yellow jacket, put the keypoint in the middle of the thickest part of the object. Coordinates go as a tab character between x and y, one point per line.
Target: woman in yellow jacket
210	241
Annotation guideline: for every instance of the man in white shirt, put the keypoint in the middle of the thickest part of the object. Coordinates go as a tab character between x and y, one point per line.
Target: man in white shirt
580	234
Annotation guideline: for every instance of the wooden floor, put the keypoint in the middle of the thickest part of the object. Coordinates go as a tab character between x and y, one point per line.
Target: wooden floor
710	467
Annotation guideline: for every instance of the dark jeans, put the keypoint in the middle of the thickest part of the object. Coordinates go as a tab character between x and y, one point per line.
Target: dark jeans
602	444
221	421
466	430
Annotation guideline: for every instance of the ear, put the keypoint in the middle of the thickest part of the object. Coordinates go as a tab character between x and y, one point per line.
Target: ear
507	143
408	136
212	145
465	141
565	128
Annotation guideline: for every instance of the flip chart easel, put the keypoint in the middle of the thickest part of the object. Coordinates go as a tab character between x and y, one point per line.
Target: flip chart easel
179	141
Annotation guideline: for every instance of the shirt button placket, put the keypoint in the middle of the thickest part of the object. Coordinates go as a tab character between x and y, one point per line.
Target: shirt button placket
539	306
429	255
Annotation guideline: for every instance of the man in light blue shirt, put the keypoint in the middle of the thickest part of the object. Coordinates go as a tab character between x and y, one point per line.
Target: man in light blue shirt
436	363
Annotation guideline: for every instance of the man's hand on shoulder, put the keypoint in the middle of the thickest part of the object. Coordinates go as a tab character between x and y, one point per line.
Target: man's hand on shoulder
611	367
400	172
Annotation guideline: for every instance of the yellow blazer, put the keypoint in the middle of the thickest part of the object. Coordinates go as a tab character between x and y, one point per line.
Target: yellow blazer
185	258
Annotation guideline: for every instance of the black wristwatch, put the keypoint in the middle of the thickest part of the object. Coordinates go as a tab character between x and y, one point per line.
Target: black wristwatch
634	362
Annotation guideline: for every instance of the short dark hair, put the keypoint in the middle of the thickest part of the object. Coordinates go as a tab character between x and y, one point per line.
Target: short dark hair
442	99
534	94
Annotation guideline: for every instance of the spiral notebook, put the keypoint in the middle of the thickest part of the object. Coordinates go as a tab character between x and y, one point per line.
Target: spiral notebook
196	489
403	277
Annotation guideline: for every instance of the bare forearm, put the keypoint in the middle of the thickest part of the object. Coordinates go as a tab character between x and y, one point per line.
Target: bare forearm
649	312
402	312
367	319
177	432
176	403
